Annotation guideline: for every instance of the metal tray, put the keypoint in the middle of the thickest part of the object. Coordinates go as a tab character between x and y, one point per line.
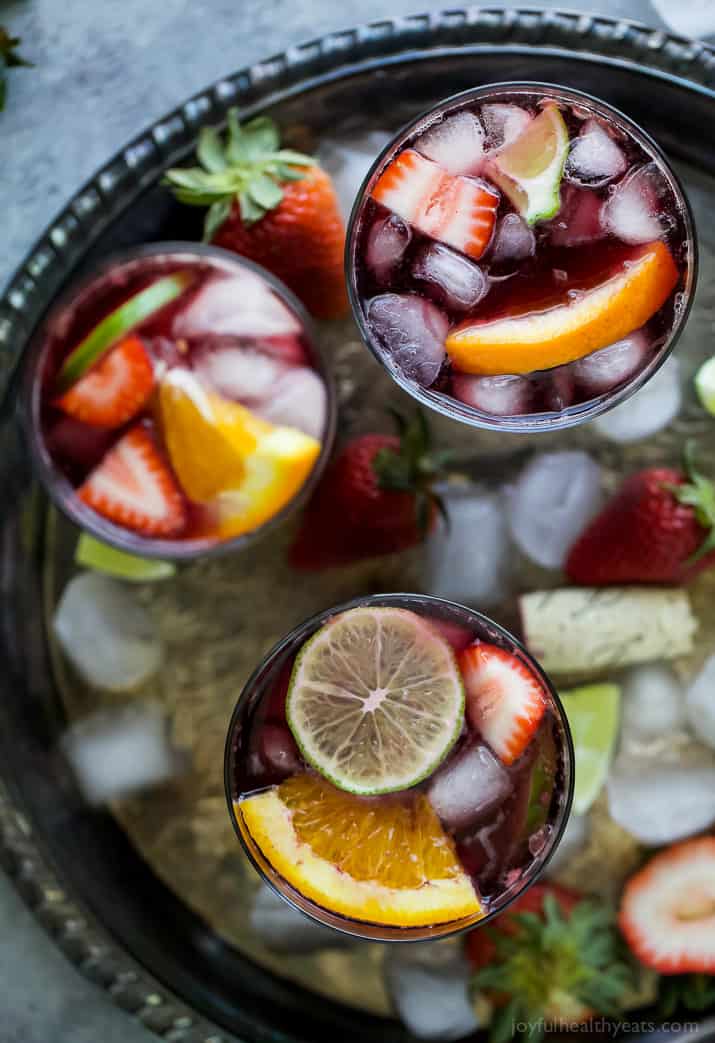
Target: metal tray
150	898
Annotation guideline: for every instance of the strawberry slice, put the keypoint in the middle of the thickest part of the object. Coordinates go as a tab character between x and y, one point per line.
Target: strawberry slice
667	912
505	701
458	211
134	487
114	390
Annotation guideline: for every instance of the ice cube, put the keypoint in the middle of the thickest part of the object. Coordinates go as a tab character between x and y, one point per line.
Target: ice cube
594	158
631	211
552	501
116	752
506	395
574	838
700	703
448	277
286	930
472	784
456	143
387	241
278	750
653	702
469	561
238	373
659	803
503	123
428	983
412	332
288	349
649	410
348	163
579	219
513	240
106	633
299	399
557	388
238	305
612	366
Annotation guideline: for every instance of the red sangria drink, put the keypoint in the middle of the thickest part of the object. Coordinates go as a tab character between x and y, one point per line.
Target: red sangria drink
176	401
521	257
399	768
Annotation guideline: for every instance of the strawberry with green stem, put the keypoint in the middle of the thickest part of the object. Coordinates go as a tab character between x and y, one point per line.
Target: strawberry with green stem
272	205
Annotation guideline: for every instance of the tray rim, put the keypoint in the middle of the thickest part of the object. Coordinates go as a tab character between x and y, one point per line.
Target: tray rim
113	188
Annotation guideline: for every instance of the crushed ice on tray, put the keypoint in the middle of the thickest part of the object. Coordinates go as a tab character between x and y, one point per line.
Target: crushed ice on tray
631	211
700	703
505	395
449	277
471	784
659	802
106	633
238	305
412	332
653	702
387	241
459	566
348	162
552	501
648	411
513	240
594	158
286	930
297	399
119	751
428	983
456	143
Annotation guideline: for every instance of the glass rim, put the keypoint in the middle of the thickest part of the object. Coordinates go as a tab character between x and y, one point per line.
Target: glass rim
528	423
366	930
61	492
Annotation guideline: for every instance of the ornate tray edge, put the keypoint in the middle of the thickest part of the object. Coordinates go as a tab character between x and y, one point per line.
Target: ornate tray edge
113	189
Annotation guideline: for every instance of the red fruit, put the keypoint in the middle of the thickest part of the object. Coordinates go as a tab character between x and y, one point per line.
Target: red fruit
114	389
667	912
274	206
77	446
133	487
659	528
455	210
505	700
376	498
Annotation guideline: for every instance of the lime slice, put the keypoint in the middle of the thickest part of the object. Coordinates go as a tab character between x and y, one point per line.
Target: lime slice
593	713
93	554
705	385
131	313
529	169
376	700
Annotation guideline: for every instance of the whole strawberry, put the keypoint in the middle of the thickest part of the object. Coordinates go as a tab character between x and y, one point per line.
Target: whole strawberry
376	498
659	528
272	205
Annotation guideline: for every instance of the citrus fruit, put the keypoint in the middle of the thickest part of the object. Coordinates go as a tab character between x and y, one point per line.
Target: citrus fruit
376	700
385	861
705	385
593	713
590	320
273	475
529	169
127	316
93	554
208	437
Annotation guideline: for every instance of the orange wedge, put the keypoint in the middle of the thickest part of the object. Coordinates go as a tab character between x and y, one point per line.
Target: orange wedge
385	861
591	320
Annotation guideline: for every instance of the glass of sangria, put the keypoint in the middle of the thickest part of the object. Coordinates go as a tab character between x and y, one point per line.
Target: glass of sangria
176	402
399	768
521	257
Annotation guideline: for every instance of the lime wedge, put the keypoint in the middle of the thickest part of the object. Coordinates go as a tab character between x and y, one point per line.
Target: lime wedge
131	313
93	554
376	700
705	385
529	169
593	713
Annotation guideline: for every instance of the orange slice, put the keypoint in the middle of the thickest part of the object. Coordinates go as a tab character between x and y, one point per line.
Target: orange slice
385	861
591	320
208	437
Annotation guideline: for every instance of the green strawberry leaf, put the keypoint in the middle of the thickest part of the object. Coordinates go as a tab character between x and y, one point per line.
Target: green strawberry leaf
210	151
215	217
265	192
